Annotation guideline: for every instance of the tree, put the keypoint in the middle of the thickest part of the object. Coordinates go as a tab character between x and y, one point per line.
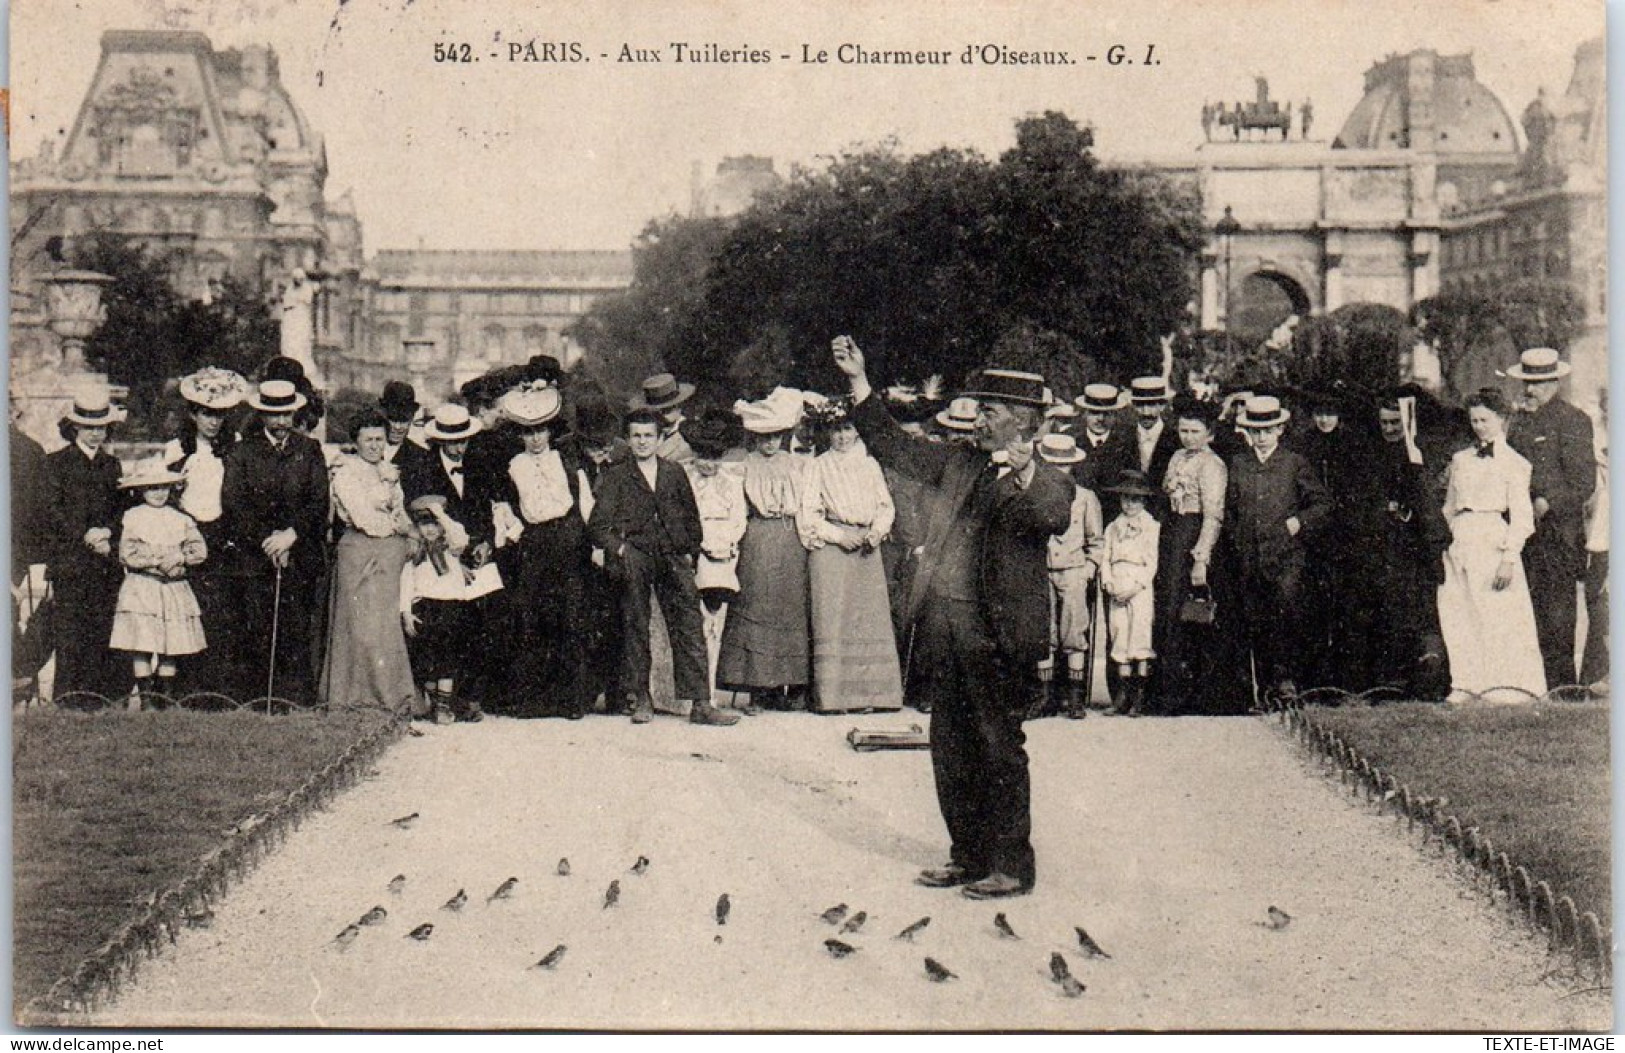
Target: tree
927	261
1476	334
152	334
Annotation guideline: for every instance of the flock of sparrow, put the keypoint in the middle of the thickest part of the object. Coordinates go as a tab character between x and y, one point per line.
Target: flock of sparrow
839	915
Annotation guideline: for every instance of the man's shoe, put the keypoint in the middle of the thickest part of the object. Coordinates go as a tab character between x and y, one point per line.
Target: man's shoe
643	711
995	886
706	713
945	877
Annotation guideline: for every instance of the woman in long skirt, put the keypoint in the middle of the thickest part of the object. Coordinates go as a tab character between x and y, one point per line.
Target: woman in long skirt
545	490
1485	612
846	511
767	641
366	662
1197	660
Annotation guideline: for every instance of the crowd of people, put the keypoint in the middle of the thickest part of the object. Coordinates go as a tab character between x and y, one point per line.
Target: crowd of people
506	551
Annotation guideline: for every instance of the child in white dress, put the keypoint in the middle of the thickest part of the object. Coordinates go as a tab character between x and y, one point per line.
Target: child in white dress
157	619
1129	569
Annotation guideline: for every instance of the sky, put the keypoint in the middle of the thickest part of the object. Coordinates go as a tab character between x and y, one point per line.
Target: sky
514	155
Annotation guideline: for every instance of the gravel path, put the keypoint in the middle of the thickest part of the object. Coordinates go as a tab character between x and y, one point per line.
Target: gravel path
1166	839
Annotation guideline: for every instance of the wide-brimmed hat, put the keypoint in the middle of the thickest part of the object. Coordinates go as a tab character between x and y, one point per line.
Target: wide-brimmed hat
1144	390
281	367
544	367
94	408
597	423
1008	385
711	434
960	414
661	392
451	423
531	406
1131	481
1539	363
399	400
780	411
152	472
1059	449
215	389
276	396
1062	411
1262	411
1100	398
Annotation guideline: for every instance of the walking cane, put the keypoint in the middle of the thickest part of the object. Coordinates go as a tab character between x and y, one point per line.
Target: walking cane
276	616
1089	657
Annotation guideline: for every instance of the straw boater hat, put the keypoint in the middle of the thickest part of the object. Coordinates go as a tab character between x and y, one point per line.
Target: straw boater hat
1062	411
276	396
93	408
1009	385
1131	481
531	406
399	401
959	416
1100	398
149	473
662	392
214	389
1539	363
1148	389
451	423
780	411
1059	449
1262	411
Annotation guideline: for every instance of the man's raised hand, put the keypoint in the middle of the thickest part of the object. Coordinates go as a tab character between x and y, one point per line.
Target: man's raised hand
849	360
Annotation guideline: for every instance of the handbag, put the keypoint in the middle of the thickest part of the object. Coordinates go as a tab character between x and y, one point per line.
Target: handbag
1199	608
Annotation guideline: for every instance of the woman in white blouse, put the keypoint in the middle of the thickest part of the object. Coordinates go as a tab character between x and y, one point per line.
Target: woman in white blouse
546	495
1485	613
367	663
199	453
846	512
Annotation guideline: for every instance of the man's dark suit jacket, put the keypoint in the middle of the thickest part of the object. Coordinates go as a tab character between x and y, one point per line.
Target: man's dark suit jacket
266	490
1556	440
664	521
1012	568
1101	465
425	473
1261	497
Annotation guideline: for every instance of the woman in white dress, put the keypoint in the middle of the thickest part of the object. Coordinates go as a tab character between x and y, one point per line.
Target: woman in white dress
1485	613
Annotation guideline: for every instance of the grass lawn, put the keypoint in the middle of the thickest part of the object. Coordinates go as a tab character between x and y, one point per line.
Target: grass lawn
1535	779
108	807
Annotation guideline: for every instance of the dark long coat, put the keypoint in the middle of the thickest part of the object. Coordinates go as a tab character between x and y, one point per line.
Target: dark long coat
82	493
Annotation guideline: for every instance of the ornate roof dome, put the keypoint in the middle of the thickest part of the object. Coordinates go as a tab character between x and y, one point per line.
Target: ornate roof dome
1426	101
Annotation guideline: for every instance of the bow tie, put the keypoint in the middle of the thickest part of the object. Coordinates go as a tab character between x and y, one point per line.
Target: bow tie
455	469
1486	449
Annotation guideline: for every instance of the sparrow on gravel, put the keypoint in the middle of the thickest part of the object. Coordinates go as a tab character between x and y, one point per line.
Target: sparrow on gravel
414	732
1002	923
834	914
641	865
375	916
347	937
421	933
612	895
913	930
1058	969
838	949
396	884
564	867
552	958
1091	949
504	890
1278	919
724	905
456	902
937	972
1071	987
854	923
405	822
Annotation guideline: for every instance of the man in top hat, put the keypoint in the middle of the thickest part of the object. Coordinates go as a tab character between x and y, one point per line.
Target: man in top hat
275	504
665	396
399	404
1273	499
1105	454
979	610
1556	439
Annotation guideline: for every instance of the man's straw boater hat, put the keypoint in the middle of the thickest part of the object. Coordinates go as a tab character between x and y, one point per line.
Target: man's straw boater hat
1537	364
1008	385
1100	398
451	423
94	408
1143	390
960	414
1059	449
1262	411
276	396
